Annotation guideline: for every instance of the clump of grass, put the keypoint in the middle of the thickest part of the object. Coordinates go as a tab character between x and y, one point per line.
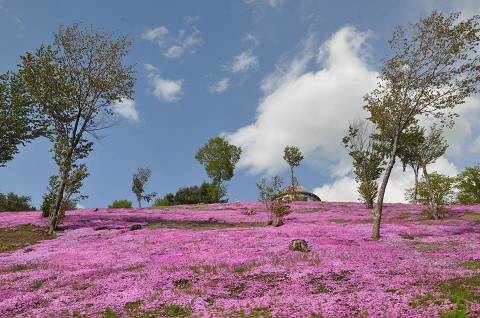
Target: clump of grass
199	225
22	236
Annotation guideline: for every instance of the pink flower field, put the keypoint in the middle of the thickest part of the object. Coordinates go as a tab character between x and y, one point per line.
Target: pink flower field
217	261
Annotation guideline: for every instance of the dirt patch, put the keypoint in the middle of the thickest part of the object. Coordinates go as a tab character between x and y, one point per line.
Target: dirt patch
12	239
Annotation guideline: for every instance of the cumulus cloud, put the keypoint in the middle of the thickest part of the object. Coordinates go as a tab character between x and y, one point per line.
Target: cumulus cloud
345	188
126	109
174	46
243	62
165	89
289	71
191	19
311	111
150	67
221	85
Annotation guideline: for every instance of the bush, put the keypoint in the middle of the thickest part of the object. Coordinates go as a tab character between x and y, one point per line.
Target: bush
205	193
12	202
468	184
167	200
121	204
49	202
442	187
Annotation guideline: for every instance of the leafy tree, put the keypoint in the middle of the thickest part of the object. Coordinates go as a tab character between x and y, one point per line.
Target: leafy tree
167	200
205	193
12	202
293	157
269	192
71	195
74	82
468	184
19	121
121	204
139	182
433	147
434	69
219	159
408	152
367	159
440	185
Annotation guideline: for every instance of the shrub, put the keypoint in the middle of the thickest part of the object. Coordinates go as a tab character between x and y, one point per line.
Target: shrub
468	184
12	202
167	200
49	201
121	204
442	187
205	193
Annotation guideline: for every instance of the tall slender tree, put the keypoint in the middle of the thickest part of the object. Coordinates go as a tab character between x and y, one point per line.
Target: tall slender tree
293	156
433	69
74	82
139	182
367	157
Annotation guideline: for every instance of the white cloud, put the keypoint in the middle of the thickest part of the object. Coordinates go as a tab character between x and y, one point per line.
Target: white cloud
243	62
165	89
311	111
251	38
271	3
191	19
221	85
150	67
174	46
126	109
19	22
345	188
288	71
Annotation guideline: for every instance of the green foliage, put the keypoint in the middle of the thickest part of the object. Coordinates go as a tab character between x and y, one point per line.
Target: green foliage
468	184
368	159
71	192
205	193
433	69
19	121
74	82
121	204
12	202
167	200
139	182
219	159
269	193
442	187
293	157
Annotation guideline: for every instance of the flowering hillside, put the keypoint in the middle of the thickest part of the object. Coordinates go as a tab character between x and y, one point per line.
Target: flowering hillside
217	261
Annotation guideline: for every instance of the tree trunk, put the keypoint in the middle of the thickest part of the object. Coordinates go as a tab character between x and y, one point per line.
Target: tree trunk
433	203
415	189
377	215
53	221
293	184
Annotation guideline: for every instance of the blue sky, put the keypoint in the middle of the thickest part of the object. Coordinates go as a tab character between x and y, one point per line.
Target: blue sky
261	73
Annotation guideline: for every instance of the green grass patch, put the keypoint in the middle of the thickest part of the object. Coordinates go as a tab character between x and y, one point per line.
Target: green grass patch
472	265
199	225
22	236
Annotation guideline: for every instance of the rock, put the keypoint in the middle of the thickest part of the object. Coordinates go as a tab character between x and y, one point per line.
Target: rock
277	222
249	212
95	210
135	227
299	245
211	220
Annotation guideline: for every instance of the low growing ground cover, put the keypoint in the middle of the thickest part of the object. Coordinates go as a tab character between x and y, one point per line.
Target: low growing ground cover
217	261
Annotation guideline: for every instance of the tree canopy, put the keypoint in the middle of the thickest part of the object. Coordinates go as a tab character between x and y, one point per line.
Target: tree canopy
219	159
74	82
434	67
